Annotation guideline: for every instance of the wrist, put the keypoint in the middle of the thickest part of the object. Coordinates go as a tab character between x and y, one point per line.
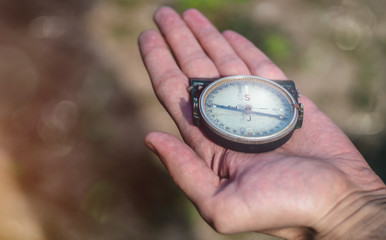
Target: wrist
361	215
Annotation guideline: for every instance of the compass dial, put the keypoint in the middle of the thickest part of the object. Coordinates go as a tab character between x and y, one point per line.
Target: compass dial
248	109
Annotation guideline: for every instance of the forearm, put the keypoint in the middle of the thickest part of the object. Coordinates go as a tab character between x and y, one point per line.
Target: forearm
362	215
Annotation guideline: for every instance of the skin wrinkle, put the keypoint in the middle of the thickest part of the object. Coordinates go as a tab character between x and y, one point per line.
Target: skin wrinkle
195	60
286	171
155	52
204	154
246	209
176	114
247	203
212	36
231	176
233	162
342	220
242	200
176	33
225	205
225	159
148	38
228	64
359	167
266	66
193	13
369	224
200	26
184	167
218	163
186	111
150	53
337	207
198	143
177	36
232	66
166	17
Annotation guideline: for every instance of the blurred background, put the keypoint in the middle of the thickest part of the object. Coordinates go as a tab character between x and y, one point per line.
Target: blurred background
76	102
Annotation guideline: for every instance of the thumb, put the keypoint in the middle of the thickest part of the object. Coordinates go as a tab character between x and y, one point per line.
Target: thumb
187	170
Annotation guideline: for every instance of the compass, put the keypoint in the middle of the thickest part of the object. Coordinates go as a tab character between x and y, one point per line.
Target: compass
246	113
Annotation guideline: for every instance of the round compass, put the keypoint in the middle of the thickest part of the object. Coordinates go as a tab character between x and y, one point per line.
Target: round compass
248	113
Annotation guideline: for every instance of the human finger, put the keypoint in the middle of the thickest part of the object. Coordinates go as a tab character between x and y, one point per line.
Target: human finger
258	63
190	56
214	44
187	170
167	79
170	85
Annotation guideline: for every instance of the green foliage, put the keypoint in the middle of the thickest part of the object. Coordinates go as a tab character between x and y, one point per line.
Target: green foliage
208	5
125	3
362	95
276	45
97	200
120	30
269	39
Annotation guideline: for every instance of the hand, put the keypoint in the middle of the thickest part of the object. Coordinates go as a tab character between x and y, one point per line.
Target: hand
295	186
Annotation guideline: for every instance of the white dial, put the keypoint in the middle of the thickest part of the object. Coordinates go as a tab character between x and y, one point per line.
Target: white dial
248	109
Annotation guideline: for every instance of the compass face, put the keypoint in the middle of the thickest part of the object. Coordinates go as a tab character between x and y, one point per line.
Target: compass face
248	109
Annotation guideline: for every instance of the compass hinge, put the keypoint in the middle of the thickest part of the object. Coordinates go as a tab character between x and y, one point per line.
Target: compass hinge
300	108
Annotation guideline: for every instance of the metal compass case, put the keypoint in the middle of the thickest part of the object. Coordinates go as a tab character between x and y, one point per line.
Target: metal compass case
246	113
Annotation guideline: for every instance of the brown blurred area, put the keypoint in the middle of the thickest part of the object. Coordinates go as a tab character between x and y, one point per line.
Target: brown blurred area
76	102
72	135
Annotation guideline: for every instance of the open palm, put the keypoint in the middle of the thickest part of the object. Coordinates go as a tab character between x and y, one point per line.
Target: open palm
293	186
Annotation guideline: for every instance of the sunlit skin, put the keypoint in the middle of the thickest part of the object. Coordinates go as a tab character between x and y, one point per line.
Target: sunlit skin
284	192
